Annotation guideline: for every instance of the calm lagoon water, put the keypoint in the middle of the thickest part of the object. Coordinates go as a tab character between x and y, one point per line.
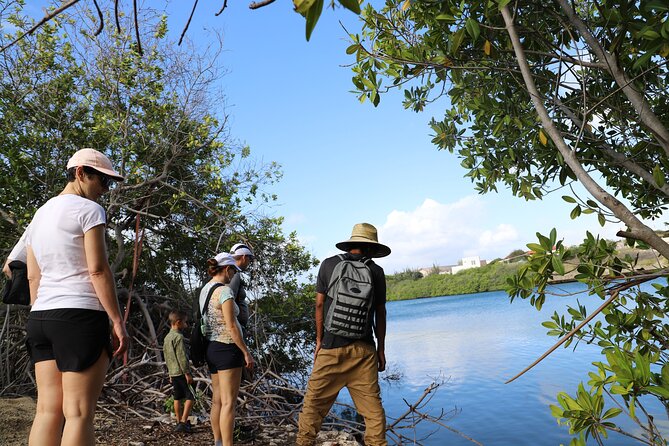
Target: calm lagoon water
475	343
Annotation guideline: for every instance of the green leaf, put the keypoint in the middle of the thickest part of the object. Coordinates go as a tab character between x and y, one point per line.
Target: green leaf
602	219
303	6
351	5
313	15
557	411
619	390
536	247
658	175
558	266
657	5
473	28
613	412
643	60
353	48
649	34
575	213
568	199
445	17
457	39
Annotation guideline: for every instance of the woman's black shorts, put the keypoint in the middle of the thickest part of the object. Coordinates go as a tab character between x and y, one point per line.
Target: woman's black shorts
73	337
222	356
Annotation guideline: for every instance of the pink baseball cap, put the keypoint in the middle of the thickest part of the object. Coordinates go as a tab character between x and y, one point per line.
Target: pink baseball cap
96	160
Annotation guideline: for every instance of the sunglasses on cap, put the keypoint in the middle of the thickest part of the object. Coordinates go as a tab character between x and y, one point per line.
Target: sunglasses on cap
105	181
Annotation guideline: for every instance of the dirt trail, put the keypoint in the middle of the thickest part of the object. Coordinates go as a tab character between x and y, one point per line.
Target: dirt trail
17	417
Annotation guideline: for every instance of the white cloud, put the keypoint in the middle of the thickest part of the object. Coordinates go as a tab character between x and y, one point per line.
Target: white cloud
438	233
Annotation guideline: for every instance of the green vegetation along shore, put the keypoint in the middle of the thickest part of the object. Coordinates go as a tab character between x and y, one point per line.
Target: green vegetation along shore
411	285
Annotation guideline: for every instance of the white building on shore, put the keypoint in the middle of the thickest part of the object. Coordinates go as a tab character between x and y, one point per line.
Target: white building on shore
465	263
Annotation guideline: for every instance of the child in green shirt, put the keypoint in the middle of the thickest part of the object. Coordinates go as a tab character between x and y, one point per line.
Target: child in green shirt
174	350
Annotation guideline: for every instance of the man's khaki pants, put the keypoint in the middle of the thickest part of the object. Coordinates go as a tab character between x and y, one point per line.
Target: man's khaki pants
355	367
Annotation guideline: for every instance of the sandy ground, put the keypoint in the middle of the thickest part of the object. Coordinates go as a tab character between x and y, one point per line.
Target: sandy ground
17	416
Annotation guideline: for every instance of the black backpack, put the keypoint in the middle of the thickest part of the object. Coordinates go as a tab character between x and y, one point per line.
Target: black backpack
198	340
16	290
352	291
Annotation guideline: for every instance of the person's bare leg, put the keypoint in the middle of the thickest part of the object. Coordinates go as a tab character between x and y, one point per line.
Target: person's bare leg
229	381
187	407
81	391
215	413
177	410
48	423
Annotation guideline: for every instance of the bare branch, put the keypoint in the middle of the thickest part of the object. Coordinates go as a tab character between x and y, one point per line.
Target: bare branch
225	5
136	17
101	26
256	5
44	20
614	295
117	16
190	17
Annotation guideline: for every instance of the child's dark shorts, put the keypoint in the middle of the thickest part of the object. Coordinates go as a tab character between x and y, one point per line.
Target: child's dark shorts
180	389
221	356
74	337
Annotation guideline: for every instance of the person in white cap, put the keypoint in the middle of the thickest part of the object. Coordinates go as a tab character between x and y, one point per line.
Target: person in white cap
226	352
243	257
73	296
348	357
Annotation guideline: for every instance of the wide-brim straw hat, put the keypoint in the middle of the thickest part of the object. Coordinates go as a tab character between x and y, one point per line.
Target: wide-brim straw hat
364	233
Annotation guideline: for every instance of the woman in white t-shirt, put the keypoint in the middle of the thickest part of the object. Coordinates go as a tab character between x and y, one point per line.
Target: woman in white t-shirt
73	297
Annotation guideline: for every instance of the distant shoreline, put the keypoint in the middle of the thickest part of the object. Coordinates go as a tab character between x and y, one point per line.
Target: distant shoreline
488	278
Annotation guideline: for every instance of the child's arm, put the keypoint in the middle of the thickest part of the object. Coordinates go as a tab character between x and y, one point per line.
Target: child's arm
182	359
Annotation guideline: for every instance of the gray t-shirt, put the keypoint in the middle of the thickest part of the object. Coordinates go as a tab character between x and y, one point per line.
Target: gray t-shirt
239	291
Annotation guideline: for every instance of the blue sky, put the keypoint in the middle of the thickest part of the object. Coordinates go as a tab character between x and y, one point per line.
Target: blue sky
346	162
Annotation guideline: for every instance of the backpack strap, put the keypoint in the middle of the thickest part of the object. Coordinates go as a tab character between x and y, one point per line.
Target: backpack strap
206	302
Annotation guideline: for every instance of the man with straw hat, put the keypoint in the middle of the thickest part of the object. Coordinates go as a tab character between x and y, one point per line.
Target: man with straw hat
345	358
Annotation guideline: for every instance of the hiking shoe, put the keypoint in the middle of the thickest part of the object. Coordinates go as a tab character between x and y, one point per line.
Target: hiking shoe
187	427
180	427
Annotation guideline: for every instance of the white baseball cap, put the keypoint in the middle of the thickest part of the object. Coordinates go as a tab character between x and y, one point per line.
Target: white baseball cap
225	259
240	249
